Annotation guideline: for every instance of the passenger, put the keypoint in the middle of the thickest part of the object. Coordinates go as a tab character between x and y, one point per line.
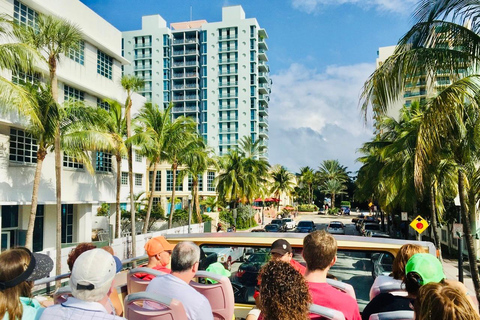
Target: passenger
159	251
18	269
284	292
320	254
442	301
421	268
282	250
185	260
91	282
113	304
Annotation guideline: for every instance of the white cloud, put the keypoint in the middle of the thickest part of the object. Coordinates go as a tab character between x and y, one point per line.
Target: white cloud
397	6
314	116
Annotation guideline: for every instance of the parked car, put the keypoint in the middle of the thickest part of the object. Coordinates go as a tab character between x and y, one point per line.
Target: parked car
226	255
377	234
336	227
289	223
359	224
305	226
258	230
247	273
272	228
280	223
346	210
369	227
382	264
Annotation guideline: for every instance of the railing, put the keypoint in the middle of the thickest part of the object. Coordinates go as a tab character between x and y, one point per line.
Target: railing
227	84
191	52
228	107
143	67
177	53
227	60
228	118
186	97
142	56
228	72
227	49
186	40
143	45
230	37
231	95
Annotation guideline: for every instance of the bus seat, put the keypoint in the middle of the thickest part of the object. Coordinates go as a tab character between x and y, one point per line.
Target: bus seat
173	309
342	286
135	284
393	315
62	294
385	284
220	294
326	313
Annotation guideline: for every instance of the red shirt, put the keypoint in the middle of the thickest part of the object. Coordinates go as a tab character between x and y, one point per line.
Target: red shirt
147	276
325	295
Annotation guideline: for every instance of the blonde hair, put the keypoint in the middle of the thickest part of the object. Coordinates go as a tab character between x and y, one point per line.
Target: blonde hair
319	250
441	301
13	263
400	261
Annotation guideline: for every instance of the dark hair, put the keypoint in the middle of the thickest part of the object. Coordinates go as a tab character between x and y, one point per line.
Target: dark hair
319	250
401	259
184	256
77	251
284	292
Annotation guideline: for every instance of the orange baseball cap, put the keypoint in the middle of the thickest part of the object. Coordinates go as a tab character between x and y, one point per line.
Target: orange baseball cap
157	245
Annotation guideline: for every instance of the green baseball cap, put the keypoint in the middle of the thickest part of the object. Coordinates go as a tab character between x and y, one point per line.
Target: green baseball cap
427	266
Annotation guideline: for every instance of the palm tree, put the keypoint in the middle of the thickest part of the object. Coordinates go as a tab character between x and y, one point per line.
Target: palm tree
282	182
51	37
115	125
249	148
307	177
131	84
329	173
333	187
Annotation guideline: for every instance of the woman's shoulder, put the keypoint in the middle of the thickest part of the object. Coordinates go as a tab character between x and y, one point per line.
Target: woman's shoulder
31	308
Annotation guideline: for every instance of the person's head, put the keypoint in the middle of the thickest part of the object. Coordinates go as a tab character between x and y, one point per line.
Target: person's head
281	250
18	269
159	250
92	275
421	269
283	291
403	255
77	251
441	301
319	250
185	257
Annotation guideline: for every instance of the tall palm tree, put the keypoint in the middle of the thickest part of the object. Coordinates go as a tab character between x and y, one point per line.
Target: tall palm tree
51	37
131	84
115	125
249	148
332	170
307	177
282	182
333	187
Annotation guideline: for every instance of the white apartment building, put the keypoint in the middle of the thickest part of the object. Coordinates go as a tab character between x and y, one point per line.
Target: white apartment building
214	72
91	74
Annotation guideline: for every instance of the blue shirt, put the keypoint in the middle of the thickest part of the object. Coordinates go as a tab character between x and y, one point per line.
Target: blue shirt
31	308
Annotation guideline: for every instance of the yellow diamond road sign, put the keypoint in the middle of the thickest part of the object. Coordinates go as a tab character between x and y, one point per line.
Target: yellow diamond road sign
419	224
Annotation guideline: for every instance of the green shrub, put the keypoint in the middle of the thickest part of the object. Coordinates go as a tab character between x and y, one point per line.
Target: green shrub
307	208
103	210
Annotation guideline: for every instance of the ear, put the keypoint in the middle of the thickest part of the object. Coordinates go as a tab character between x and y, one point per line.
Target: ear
195	267
333	261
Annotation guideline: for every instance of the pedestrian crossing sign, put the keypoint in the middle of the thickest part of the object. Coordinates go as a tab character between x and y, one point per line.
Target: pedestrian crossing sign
419	224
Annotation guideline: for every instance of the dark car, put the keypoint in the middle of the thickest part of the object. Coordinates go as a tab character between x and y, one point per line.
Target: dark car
305	226
281	224
247	273
272	228
369	227
258	230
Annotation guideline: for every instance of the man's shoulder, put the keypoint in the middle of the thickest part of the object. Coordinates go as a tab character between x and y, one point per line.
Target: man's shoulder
63	312
323	293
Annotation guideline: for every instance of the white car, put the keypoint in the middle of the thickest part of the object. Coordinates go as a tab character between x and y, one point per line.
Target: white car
289	223
226	255
336	227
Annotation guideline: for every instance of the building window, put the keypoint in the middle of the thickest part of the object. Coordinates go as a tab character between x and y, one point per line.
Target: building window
23	148
104	64
24	15
70	162
157	201
103	104
103	162
138	157
200	182
138	179
178	186
210	178
70	93
67	223
124	179
158	181
444	235
38	228
24	78
78	54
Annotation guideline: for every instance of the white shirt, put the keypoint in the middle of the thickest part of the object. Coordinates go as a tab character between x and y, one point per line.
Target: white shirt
75	309
196	305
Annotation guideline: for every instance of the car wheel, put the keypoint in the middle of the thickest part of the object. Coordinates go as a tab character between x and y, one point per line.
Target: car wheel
229	264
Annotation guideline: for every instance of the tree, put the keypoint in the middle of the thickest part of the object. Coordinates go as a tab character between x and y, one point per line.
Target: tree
131	84
307	177
51	37
333	187
282	182
249	147
331	175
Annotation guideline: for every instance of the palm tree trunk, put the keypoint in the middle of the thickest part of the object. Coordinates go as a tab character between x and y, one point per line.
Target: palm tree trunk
172	201
150	199
118	215
333	200
196	200
433	213
33	211
472	261
128	118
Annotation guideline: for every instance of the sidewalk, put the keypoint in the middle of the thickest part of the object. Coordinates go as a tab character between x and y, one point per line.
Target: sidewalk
450	268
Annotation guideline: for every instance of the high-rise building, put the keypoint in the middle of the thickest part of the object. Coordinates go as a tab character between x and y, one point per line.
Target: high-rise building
214	72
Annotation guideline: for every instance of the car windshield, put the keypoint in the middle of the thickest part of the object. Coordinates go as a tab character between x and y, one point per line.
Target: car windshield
276	221
287	220
335	225
271	227
304	224
372	227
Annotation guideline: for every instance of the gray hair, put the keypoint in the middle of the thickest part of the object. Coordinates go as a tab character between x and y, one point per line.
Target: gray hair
184	256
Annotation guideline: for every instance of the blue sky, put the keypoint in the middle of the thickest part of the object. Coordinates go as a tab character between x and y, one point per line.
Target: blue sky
320	53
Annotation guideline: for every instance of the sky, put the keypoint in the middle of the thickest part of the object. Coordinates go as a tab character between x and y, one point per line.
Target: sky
320	54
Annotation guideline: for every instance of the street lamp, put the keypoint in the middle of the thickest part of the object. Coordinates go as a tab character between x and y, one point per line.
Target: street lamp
459	241
189	211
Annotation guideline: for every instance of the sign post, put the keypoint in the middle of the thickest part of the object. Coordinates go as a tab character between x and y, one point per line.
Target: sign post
419	224
404	216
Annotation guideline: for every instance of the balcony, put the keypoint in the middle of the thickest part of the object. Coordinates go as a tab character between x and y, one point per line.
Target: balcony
263	121
262	44
264	88
264	76
189	52
227	49
228	84
226	119
230	107
226	96
415	94
144	67
142	56
230	37
263	97
185	97
185	40
228	130
234	60
185	64
226	72
263	111
263	67
228	142
143	45
262	55
178	53
185	75
184	109
263	132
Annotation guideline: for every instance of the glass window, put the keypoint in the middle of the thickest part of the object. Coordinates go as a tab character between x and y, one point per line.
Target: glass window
103	104
67	223
70	93
104	64
78	54
103	162
178	186
23	148
24	78
70	162
138	157
38	228
210	178
24	15
124	178
158	181
199	182
138	179
9	226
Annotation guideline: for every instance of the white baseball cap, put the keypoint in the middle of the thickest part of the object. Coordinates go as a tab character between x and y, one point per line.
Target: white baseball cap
92	270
